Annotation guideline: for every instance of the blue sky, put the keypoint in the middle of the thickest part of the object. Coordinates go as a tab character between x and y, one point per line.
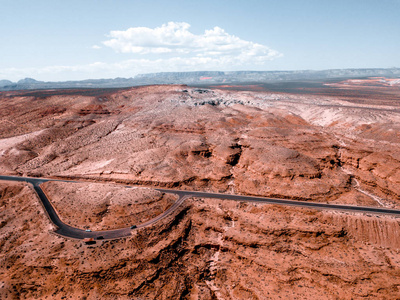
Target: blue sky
56	40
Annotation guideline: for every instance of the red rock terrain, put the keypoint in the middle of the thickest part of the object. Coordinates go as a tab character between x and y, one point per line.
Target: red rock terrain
337	149
104	206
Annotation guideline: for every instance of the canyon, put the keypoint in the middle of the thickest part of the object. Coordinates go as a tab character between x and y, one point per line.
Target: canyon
336	143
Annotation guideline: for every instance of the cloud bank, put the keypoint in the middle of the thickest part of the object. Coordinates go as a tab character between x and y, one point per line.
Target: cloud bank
168	48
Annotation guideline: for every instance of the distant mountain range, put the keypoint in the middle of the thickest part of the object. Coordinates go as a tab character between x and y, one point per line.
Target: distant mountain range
201	78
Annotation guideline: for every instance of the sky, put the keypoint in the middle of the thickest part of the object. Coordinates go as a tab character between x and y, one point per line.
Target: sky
58	40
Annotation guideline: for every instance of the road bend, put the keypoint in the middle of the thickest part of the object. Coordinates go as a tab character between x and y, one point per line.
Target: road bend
68	231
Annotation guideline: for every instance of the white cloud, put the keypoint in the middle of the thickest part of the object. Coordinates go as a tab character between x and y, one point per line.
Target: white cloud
96	47
175	38
168	38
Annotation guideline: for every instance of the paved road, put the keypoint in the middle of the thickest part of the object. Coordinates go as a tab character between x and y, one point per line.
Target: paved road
306	204
76	233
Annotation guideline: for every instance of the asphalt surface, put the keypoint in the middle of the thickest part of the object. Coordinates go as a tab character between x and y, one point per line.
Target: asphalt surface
306	204
71	232
76	233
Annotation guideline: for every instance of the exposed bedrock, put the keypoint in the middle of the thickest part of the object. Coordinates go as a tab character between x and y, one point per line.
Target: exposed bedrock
271	145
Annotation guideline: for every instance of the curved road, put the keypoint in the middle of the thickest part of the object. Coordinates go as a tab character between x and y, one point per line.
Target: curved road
76	233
